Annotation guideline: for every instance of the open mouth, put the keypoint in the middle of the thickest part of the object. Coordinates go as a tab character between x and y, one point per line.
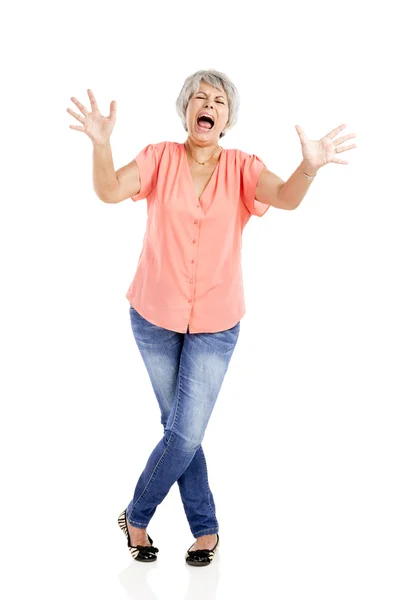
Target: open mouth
205	123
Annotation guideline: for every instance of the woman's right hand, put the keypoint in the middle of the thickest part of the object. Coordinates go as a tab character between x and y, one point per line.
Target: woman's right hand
97	127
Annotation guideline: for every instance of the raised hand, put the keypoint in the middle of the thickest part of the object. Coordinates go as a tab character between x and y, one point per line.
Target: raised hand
317	153
97	127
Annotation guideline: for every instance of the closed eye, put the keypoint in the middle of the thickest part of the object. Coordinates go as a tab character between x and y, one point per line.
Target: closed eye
219	101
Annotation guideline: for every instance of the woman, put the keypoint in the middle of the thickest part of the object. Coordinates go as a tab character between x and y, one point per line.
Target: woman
186	299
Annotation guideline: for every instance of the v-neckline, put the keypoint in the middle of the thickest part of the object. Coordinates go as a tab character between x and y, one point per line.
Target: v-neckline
213	176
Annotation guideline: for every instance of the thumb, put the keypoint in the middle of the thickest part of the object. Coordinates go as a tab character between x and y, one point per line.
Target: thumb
301	133
113	110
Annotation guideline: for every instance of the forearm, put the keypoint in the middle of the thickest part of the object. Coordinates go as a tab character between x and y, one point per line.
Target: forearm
295	188
105	180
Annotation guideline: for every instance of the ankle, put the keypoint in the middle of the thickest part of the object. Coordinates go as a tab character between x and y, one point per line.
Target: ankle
134	528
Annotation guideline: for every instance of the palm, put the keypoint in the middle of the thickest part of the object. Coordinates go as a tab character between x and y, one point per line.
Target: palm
318	153
94	124
97	126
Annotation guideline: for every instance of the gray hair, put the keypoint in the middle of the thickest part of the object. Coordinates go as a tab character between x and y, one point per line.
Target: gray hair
216	79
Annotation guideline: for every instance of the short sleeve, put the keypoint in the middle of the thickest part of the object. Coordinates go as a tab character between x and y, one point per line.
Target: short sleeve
250	171
147	162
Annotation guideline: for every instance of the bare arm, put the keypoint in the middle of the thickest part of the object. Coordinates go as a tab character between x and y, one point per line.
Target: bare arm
272	190
110	186
128	181
105	180
296	187
268	187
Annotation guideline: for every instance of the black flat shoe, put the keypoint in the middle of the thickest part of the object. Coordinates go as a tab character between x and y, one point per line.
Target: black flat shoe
200	558
141	553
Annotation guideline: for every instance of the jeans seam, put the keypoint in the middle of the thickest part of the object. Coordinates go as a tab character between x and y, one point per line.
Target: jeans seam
136	523
179	389
209	530
208	484
169	441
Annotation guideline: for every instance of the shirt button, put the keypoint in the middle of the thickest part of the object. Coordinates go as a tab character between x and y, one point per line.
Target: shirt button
196	221
189	300
193	241
198	206
192	261
190	280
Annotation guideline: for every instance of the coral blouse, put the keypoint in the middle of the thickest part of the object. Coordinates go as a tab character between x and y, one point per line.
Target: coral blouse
189	273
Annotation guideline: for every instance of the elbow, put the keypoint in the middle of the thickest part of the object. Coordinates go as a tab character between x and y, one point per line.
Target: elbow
99	195
107	199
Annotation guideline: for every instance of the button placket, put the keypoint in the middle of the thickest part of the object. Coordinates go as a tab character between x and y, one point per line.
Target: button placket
193	260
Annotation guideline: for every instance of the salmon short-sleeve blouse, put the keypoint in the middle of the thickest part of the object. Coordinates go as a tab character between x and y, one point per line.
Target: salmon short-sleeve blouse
189	273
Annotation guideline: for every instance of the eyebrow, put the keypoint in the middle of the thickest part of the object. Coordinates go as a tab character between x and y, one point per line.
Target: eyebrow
200	92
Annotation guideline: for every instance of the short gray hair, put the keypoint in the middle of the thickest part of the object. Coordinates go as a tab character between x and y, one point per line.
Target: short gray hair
216	79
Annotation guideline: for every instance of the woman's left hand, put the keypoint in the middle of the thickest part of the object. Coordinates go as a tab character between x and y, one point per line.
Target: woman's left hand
317	153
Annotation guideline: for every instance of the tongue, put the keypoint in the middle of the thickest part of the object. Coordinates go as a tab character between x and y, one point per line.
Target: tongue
204	123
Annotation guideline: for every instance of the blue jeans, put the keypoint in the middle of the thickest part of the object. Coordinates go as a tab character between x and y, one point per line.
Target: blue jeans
186	373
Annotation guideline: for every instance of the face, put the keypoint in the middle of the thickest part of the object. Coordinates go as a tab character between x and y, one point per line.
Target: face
215	103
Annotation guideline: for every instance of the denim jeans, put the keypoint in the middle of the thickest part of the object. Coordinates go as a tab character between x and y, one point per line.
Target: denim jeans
186	372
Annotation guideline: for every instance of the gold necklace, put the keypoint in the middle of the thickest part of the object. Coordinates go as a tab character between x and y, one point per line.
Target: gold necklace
201	163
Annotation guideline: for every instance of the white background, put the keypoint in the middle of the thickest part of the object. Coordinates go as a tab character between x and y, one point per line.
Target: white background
303	443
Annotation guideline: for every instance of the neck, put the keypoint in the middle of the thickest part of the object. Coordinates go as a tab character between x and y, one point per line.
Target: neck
203	152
